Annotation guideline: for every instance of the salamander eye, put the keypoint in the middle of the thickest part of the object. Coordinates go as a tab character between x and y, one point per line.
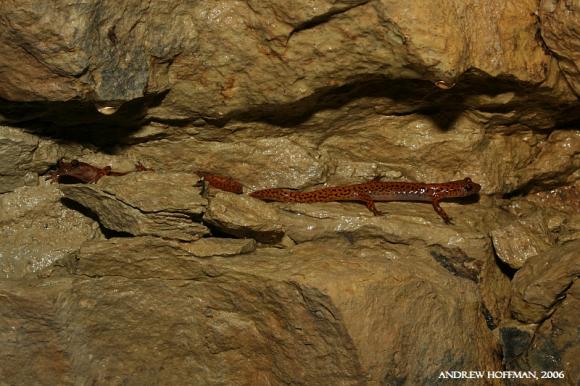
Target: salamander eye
74	162
468	184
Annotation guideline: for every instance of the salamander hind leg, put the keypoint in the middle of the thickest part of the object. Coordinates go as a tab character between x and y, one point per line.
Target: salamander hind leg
370	203
441	212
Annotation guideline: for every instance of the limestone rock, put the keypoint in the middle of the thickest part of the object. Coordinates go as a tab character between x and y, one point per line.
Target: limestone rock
495	291
259	48
229	320
126	257
355	151
30	328
279	53
36	230
16	153
279	161
515	243
556	343
243	216
462	249
543	281
561	152
145	203
553	216
569	229
391	145
565	198
560	21
553	345
292	95
219	246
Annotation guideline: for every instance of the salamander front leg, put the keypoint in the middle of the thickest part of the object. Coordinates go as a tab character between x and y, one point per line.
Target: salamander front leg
440	211
100	174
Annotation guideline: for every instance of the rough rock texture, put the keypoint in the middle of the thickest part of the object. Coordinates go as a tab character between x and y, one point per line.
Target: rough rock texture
98	50
545	303
556	344
514	244
36	230
144	204
149	279
210	247
560	24
16	151
257	319
543	282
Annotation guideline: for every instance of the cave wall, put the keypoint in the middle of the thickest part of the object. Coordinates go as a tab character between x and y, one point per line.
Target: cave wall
155	278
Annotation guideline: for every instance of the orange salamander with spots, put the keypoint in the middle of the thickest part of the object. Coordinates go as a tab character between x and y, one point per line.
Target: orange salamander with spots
376	190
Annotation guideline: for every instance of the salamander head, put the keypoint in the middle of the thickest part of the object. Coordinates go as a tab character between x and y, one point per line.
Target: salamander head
65	168
463	188
75	171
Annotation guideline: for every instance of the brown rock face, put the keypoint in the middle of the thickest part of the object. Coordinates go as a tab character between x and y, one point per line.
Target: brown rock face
36	230
559	22
156	278
140	204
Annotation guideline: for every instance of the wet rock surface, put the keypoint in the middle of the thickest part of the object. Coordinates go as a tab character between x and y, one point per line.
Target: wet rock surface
36	230
514	244
238	316
148	278
16	152
558	22
144	204
556	343
543	282
219	246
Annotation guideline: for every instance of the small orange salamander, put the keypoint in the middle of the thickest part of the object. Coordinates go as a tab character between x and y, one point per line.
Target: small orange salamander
375	190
